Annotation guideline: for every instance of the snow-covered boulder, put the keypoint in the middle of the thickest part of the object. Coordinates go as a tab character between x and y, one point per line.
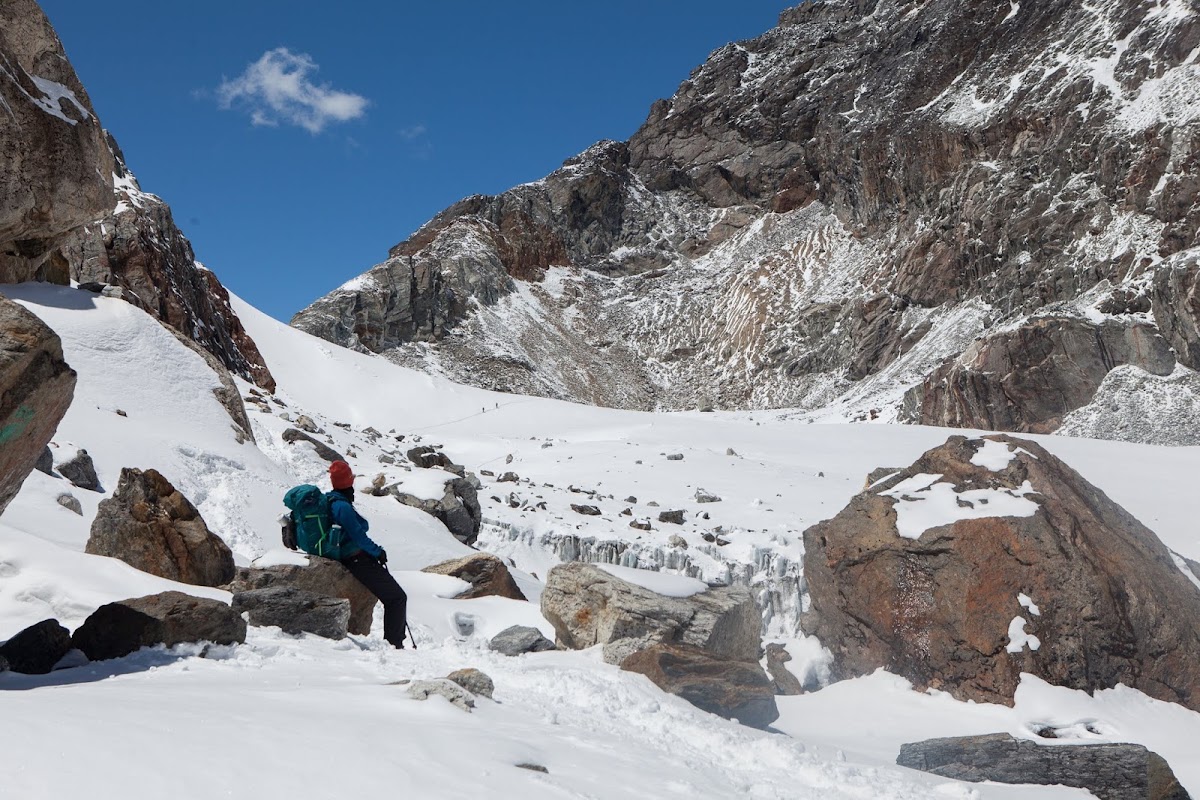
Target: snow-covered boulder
1109	771
320	576
35	650
36	387
150	525
590	605
487	575
455	503
295	611
169	618
442	687
988	558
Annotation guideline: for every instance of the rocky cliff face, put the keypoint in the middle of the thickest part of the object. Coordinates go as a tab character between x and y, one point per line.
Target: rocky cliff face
826	215
71	210
57	166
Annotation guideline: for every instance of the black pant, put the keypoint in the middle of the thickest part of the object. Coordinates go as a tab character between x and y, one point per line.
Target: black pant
373	575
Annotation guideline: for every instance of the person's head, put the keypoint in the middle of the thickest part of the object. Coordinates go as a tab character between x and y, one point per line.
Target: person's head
340	475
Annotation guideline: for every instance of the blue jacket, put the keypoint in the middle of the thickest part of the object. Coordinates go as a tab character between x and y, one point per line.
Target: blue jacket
353	525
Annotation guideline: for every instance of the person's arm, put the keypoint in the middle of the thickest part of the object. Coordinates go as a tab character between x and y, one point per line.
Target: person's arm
354	526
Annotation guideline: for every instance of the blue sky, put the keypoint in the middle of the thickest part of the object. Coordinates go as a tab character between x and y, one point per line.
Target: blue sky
296	141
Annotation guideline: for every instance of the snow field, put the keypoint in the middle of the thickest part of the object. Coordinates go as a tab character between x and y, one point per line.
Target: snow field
259	710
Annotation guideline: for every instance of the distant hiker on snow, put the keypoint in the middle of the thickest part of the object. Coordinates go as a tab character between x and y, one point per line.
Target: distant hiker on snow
327	525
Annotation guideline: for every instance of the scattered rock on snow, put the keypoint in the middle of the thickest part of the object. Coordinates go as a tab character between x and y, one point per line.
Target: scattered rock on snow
904	578
35	650
518	639
488	576
1109	771
324	451
459	697
70	502
430	458
169	618
320	576
306	424
675	540
641	525
532	767
476	682
295	611
732	689
508	477
458	508
151	526
673	517
704	497
587	511
675	457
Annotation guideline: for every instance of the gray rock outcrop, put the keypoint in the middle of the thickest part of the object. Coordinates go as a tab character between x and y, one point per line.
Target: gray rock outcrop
170	618
320	576
588	606
150	525
1029	378
518	639
1108	771
295	611
488	576
784	682
989	558
35	650
36	387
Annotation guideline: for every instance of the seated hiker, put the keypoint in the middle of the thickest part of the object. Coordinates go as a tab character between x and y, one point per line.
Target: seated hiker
366	560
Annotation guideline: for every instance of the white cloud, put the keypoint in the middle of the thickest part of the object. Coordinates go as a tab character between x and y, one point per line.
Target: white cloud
278	88
413	132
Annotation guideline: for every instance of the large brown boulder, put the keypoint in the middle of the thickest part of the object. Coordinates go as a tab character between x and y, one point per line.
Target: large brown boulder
588	606
36	387
320	576
58	168
149	524
990	557
169	618
487	575
732	689
1028	378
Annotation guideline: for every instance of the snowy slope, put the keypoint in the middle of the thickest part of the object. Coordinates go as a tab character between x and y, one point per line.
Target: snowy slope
248	713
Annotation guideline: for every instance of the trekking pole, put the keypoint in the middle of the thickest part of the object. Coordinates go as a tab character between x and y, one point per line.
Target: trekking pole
410	635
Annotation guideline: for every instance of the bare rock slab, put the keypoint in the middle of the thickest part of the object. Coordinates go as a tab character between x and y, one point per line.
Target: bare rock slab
487	574
35	650
1109	771
169	618
731	689
588	606
295	611
150	525
36	387
988	558
320	576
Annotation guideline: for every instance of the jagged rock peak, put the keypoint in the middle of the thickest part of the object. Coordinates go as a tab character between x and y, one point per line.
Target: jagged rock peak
826	214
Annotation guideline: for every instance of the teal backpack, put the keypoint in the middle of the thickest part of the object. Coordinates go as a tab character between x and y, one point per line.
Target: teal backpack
316	533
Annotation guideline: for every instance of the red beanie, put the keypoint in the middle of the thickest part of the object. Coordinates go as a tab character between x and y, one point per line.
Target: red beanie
341	475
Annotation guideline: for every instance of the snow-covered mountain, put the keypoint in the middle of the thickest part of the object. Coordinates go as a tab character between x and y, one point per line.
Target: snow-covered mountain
972	214
569	712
